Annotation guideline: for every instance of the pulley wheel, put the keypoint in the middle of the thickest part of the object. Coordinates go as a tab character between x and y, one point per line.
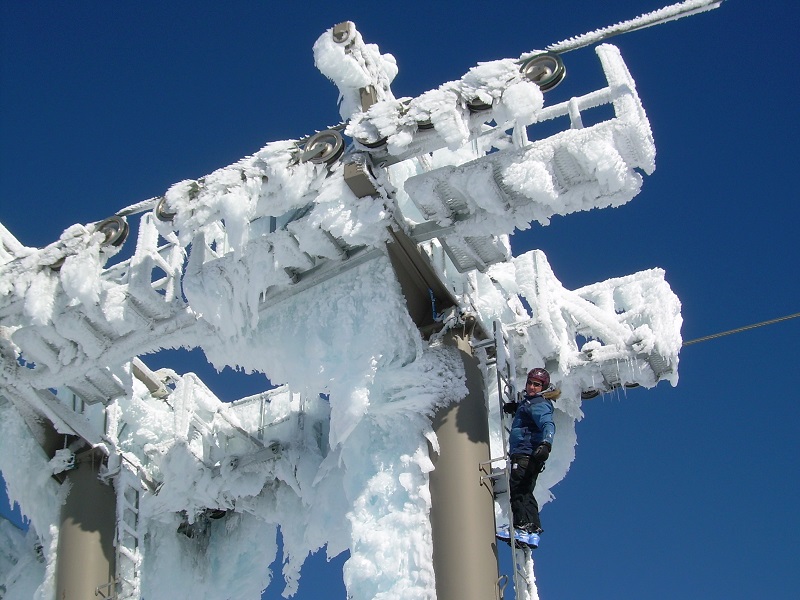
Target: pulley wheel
477	105
324	147
342	32
115	229
376	144
162	214
545	70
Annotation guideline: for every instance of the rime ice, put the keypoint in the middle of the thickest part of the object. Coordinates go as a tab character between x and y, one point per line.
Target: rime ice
277	257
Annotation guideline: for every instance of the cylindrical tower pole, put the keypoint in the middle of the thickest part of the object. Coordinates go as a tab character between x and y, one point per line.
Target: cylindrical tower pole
462	510
85	559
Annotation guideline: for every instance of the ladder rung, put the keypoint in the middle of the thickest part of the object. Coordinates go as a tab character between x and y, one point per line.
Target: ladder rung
125	528
123	551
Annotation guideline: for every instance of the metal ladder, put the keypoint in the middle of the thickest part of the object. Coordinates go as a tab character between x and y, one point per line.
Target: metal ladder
128	537
506	387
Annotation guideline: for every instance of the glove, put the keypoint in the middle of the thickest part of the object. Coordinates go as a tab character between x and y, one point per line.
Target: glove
510	408
542	452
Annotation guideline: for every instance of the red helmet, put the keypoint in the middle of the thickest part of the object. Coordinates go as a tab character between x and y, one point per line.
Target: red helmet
540	375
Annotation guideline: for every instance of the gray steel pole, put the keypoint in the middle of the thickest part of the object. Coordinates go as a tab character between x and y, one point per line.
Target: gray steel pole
462	509
85	558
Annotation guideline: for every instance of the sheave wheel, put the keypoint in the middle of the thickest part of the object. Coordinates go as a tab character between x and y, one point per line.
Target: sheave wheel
115	229
545	70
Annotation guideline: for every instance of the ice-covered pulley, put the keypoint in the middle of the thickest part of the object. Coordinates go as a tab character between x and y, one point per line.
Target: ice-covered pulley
545	70
343	32
115	229
323	147
162	212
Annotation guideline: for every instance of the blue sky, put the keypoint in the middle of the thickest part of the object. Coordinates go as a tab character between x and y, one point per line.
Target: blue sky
675	492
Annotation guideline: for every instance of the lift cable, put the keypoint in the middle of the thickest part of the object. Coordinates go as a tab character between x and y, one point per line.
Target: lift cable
716	335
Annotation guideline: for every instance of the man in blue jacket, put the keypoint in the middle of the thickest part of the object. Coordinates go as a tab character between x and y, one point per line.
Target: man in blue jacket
530	442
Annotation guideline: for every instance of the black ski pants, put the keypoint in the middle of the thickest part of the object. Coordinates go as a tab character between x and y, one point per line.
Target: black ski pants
524	472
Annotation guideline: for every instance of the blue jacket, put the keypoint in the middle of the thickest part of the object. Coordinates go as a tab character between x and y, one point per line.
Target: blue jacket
532	425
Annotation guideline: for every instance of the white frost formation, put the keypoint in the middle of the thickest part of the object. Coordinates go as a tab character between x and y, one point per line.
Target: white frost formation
276	265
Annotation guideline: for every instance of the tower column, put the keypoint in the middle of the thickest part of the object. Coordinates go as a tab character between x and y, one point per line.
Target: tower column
462	508
86	536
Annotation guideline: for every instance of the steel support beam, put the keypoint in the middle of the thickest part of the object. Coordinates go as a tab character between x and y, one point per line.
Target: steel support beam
462	509
419	282
86	561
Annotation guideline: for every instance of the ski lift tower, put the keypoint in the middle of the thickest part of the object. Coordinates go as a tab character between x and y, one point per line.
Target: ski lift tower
435	185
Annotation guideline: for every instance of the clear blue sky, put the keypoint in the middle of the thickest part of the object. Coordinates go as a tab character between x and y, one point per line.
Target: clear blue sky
676	492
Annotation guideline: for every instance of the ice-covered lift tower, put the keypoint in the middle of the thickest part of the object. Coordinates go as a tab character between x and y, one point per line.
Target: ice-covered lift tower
367	269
